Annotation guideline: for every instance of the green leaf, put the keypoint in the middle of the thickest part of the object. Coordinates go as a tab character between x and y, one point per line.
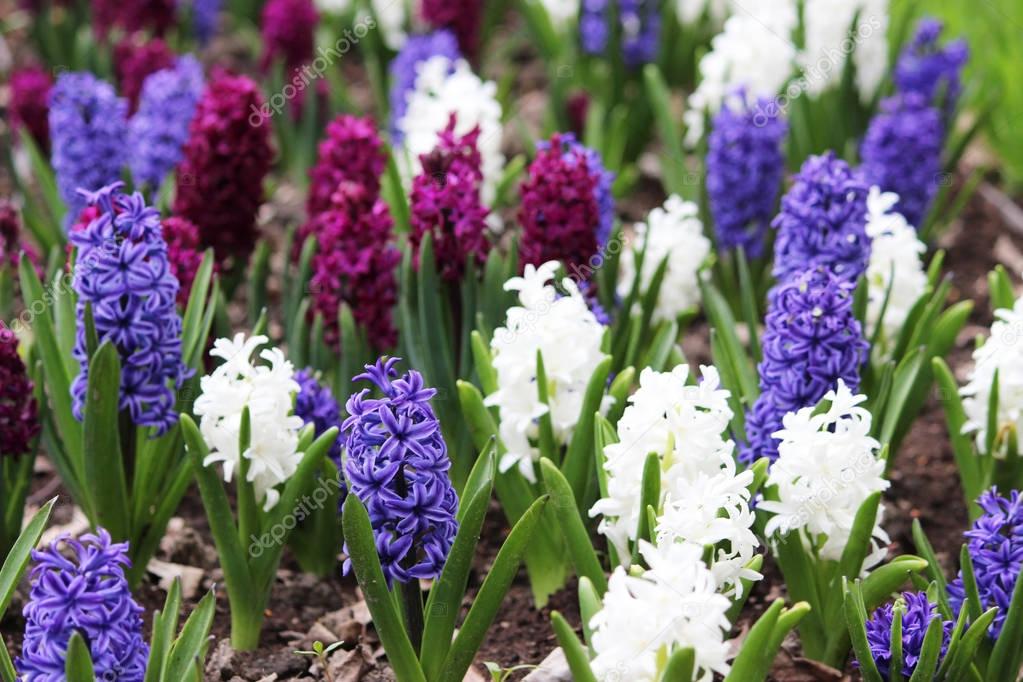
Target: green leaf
488	600
883	581
363	554
78	666
858	545
104	466
680	666
856	619
755	656
650	498
895	667
584	558
579	459
668	130
925	550
165	624
547	444
444	603
575	652
964	655
962	445
589	604
17	559
191	644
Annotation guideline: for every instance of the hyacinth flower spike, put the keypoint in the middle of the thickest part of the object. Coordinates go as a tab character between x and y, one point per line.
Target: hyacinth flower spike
403	522
113	434
248	428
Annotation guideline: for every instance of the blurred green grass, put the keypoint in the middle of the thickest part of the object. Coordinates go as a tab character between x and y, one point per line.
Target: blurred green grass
994	31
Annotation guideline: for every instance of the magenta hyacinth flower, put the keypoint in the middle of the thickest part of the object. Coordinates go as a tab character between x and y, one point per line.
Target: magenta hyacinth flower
135	59
461	17
351	152
30	104
288	28
19	414
153	16
560	213
87	593
355	264
184	253
445	202
12	244
226	159
397	463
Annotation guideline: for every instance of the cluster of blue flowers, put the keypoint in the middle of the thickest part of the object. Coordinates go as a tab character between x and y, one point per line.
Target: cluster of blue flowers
811	340
823	221
745	165
123	272
88	124
316	405
917	617
85	593
159	129
996	548
930	69
901	153
404	69
397	464
603	179
640	28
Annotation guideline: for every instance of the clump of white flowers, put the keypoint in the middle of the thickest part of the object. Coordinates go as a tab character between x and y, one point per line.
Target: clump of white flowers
673	231
561	327
837	30
826	468
674	604
268	391
1000	353
896	268
444	88
691	11
754	51
704	501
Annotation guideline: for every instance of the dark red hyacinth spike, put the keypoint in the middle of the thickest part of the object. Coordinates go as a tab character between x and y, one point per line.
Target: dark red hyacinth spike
19	421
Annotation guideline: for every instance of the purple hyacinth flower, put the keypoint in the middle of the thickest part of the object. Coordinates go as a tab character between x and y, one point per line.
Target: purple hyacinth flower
918	614
88	128
745	166
158	131
640	31
316	405
397	464
594	28
404	70
995	545
86	593
901	153
122	270
930	69
811	340
823	221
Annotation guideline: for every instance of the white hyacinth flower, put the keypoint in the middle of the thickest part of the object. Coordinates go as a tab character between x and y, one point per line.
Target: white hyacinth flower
562	13
1000	353
444	88
691	11
268	391
673	231
704	501
674	604
827	467
832	38
568	336
896	268
754	51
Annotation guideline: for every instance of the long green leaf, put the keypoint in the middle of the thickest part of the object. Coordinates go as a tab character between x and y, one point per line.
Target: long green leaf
78	666
104	465
17	559
587	565
192	642
363	554
575	652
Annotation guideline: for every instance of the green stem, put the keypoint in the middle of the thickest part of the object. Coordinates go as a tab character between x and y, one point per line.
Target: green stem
246	624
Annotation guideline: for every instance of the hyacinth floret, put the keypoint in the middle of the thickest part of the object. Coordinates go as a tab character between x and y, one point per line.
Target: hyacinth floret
122	271
995	545
29	103
88	127
316	405
84	592
811	340
901	153
826	469
350	152
917	614
446	202
823	221
397	464
745	166
931	69
159	129
404	70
